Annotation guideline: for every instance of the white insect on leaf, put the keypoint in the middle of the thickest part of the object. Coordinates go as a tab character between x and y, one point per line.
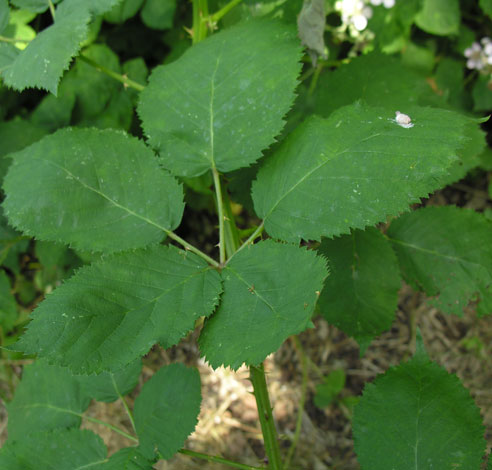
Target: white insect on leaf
403	120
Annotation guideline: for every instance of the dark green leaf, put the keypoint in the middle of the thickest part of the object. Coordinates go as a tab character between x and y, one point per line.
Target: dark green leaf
482	94
36	6
109	386
158	14
48	397
128	458
4	14
364	267
70	449
270	290
354	169
123	11
166	411
441	17
213	107
446	252
8	305
115	310
97	190
417	416
486	7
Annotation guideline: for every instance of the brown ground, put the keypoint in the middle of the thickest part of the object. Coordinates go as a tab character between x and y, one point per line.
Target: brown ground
228	423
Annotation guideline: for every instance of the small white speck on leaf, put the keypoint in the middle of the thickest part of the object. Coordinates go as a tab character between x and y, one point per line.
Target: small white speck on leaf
403	120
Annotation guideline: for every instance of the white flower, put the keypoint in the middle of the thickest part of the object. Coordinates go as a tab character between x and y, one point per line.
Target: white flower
386	3
354	13
476	56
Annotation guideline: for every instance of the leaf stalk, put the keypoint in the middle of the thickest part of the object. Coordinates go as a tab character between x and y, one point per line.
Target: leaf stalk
220	214
215	459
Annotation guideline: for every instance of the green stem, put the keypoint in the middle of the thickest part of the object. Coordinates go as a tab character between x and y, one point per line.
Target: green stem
224	10
250	240
121	78
191	248
220	214
302	401
52	9
214	459
314	80
231	233
200	20
125	405
110	426
272	449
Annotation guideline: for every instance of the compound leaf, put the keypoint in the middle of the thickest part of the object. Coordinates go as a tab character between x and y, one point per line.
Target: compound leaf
48	397
166	411
109	386
418	416
270	290
364	267
68	449
213	107
96	190
354	169
446	252
115	310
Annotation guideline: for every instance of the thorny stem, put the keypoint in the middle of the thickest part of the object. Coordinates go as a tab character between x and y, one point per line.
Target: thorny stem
260	390
200	20
224	10
220	214
121	78
302	401
212	458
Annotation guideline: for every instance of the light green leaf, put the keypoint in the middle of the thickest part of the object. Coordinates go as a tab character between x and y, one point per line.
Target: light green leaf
330	388
417	416
8	305
115	310
446	252
128	458
355	169
158	14
96	190
42	63
109	386
166	411
123	11
4	14
68	449
48	397
486	6
270	290
441	17
364	267
212	108
378	79
36	6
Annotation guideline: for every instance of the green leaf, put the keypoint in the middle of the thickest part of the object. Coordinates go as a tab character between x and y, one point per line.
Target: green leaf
36	6
486	6
11	245
420	417
96	190
48	397
446	252
8	305
441	17
355	169
211	108
329	389
364	267
54	112
270	290
4	14
70	449
166	411
158	14
15	135
109	386
128	458
115	310
123	11
42	63
136	70
482	94
378	79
